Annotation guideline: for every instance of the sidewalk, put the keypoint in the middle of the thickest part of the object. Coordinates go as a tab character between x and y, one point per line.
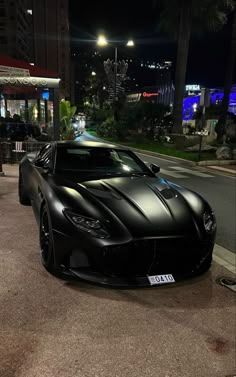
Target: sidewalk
50	327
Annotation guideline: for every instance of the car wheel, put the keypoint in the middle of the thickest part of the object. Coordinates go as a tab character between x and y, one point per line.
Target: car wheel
206	265
46	241
23	197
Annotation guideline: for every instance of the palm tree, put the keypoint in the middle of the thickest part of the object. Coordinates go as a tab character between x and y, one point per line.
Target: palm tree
66	114
229	74
180	17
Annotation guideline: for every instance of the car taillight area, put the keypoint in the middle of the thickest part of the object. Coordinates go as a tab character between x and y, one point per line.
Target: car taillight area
155	256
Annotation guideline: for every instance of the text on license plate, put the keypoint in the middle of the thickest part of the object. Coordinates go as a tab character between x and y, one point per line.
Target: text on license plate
161	279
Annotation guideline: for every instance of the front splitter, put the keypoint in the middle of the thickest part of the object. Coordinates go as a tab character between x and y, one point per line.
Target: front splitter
113	281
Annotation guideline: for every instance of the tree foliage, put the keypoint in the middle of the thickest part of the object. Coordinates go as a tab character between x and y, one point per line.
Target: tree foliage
135	119
181	18
206	15
66	113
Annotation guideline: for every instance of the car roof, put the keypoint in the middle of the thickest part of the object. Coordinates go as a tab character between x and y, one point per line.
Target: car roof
88	144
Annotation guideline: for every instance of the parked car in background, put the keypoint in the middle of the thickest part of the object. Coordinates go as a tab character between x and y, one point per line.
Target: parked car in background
79	124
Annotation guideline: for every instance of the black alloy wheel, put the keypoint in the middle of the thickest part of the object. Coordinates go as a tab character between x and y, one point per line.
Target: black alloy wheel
46	241
23	197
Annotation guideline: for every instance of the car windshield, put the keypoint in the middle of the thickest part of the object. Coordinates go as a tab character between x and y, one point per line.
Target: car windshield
99	161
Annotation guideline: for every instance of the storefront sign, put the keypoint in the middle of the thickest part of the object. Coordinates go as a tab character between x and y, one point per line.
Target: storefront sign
135	97
147	95
30	81
192	88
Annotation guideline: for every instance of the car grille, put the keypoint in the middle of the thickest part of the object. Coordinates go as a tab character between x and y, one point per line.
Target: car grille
158	256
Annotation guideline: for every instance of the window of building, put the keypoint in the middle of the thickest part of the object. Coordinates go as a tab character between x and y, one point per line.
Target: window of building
3	40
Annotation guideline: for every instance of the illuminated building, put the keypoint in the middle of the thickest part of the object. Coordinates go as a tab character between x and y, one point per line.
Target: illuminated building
191	103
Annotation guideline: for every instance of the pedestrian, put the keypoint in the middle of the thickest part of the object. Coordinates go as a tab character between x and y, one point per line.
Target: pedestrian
8	118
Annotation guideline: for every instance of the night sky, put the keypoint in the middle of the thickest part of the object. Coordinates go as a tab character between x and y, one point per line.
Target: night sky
122	20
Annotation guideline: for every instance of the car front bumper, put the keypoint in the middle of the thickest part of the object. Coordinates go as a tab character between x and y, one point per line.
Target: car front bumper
131	263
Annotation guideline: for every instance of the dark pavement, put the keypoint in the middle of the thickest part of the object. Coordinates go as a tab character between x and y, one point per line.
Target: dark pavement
53	328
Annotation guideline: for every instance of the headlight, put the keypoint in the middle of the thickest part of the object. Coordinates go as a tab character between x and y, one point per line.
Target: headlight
209	221
94	227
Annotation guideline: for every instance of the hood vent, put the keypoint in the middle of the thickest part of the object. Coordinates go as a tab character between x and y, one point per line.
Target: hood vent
168	193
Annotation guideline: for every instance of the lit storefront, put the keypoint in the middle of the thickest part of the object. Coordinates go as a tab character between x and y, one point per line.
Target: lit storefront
30	92
192	102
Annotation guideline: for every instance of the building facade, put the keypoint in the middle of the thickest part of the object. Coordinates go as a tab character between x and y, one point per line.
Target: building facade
16	29
37	32
52	39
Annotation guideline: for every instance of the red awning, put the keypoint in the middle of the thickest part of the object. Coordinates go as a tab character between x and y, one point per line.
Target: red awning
33	70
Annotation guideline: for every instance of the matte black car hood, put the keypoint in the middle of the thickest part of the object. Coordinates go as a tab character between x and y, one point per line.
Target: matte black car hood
147	206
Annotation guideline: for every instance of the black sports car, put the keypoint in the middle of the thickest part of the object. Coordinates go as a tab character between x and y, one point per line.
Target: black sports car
105	217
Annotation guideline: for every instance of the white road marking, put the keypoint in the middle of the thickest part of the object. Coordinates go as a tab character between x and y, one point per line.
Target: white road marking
192	172
158	158
172	173
224	169
225	258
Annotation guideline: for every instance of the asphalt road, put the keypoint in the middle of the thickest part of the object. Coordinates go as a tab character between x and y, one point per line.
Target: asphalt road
55	328
217	188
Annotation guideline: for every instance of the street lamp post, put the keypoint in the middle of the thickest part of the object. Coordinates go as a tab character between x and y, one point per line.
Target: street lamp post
115	78
102	42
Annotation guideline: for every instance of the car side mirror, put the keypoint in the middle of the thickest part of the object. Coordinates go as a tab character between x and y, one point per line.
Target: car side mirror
39	163
42	165
155	168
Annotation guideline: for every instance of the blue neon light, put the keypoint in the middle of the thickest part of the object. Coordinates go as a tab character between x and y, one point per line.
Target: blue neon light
216	98
45	95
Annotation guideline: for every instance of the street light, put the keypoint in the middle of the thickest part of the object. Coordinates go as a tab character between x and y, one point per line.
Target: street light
130	43
93	73
102	41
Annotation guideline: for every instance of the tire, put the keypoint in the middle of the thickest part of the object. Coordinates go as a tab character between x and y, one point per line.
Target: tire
206	265
46	241
23	197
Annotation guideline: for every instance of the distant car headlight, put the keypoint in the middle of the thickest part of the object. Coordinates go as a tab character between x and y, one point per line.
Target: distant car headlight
92	226
209	221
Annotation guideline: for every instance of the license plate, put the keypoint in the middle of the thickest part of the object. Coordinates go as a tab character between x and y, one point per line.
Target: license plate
161	279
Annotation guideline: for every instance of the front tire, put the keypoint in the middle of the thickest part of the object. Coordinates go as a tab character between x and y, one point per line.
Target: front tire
206	265
23	196
46	241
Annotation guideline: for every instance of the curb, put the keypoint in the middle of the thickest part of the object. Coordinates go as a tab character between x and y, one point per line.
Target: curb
225	258
216	162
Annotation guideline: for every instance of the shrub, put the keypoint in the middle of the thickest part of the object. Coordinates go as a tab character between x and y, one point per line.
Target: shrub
107	128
